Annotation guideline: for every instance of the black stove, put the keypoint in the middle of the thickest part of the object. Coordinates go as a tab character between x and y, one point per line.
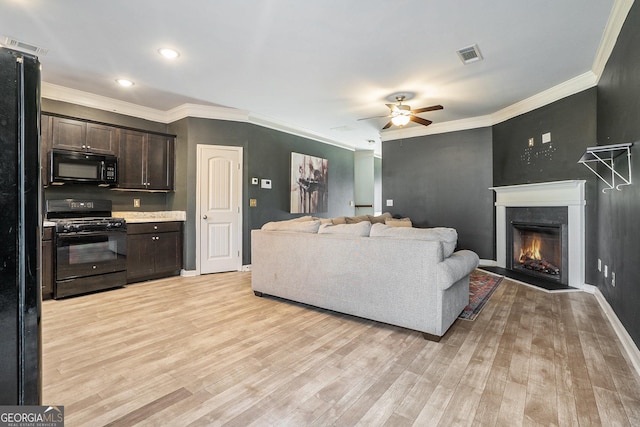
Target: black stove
91	246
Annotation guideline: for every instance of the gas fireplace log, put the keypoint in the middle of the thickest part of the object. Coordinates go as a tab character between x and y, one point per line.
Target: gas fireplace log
541	265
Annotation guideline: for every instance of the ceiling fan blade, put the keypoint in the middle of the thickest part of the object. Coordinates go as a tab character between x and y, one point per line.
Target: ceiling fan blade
420	120
374	117
425	109
388	125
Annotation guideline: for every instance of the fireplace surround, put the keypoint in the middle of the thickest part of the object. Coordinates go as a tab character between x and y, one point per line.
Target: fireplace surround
559	205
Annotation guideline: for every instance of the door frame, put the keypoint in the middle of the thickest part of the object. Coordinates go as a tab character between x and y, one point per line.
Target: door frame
239	150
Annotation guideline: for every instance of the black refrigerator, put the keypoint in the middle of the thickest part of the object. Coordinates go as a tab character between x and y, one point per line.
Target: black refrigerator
20	222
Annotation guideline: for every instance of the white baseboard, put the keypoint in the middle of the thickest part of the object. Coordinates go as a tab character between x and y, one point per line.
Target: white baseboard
627	342
246	267
188	273
488	263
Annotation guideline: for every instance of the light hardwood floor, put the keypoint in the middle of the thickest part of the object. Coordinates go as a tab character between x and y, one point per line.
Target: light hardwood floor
205	351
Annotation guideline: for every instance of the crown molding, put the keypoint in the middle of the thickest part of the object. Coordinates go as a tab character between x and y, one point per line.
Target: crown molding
206	112
570	87
436	128
618	15
86	99
266	122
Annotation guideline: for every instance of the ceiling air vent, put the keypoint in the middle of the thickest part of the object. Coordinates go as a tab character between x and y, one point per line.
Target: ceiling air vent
24	47
470	54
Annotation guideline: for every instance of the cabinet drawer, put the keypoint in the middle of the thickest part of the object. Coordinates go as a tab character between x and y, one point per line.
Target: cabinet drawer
153	227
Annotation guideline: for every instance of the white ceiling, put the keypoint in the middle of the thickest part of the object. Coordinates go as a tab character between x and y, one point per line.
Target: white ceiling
317	66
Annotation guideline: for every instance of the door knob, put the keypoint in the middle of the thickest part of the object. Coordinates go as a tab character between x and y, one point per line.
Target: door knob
204	217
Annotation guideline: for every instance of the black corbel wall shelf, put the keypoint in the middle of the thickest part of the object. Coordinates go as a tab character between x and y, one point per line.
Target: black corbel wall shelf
605	155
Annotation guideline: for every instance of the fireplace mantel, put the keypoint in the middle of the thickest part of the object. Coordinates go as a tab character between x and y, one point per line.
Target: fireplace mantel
558	193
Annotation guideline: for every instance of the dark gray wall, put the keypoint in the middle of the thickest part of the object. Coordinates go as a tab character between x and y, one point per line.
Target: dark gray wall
443	181
266	154
572	124
617	229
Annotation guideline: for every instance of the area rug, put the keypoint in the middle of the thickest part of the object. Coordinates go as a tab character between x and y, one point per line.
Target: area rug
481	287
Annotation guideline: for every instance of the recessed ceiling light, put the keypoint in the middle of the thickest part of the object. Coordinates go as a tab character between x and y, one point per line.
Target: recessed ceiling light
168	53
124	82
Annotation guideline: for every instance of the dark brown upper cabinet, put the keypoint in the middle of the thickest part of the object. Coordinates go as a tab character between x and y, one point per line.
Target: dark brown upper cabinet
146	161
78	135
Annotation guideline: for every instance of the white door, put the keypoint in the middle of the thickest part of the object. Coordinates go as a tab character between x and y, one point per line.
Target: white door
219	221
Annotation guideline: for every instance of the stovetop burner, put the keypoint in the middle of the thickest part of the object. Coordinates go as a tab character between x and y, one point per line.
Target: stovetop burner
74	216
75	225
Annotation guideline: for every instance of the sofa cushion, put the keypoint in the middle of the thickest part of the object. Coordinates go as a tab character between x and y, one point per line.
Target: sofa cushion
448	236
293	225
402	222
358	229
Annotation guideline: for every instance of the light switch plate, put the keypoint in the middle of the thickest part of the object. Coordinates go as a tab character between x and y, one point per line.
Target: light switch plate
389	202
265	183
254	181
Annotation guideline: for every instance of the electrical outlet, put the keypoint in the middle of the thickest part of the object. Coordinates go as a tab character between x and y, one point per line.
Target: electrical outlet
613	278
389	202
253	203
606	271
136	203
546	138
599	264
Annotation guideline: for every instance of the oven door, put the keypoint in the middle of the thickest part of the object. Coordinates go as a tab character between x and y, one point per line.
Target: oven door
90	253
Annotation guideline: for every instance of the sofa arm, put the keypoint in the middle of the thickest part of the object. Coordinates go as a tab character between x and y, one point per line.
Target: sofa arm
455	267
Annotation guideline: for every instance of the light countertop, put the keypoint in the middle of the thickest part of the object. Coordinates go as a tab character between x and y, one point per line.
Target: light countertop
160	216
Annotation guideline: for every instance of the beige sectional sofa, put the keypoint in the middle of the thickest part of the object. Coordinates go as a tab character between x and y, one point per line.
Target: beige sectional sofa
403	276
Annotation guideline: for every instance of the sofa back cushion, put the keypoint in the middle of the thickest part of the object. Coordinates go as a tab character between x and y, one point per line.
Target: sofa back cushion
448	236
358	229
296	225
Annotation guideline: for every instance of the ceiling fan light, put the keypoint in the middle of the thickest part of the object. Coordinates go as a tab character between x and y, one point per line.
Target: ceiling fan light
400	119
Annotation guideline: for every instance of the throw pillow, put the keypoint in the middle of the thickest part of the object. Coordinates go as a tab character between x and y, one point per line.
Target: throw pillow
380	218
402	222
356	219
358	229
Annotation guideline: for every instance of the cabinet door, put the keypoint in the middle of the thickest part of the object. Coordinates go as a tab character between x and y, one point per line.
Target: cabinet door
102	139
45	147
131	164
159	162
168	252
140	256
68	134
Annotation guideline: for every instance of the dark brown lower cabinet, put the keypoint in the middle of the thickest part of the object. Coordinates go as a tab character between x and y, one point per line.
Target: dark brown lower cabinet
154	250
47	263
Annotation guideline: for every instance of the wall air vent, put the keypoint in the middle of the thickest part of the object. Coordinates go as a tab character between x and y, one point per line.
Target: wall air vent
470	54
23	47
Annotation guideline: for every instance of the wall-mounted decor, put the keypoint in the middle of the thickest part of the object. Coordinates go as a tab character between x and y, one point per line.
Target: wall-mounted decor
309	189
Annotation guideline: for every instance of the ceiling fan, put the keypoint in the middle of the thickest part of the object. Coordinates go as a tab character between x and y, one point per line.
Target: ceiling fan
402	114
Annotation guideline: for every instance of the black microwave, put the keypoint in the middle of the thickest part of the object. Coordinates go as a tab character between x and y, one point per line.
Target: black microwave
82	168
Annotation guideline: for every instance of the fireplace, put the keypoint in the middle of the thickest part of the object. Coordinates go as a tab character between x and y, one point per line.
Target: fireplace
540	230
536	241
537	249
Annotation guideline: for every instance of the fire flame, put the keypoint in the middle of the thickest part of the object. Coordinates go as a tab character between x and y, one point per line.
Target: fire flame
532	251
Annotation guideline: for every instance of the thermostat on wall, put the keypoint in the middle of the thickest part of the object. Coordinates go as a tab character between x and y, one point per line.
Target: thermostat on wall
265	183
